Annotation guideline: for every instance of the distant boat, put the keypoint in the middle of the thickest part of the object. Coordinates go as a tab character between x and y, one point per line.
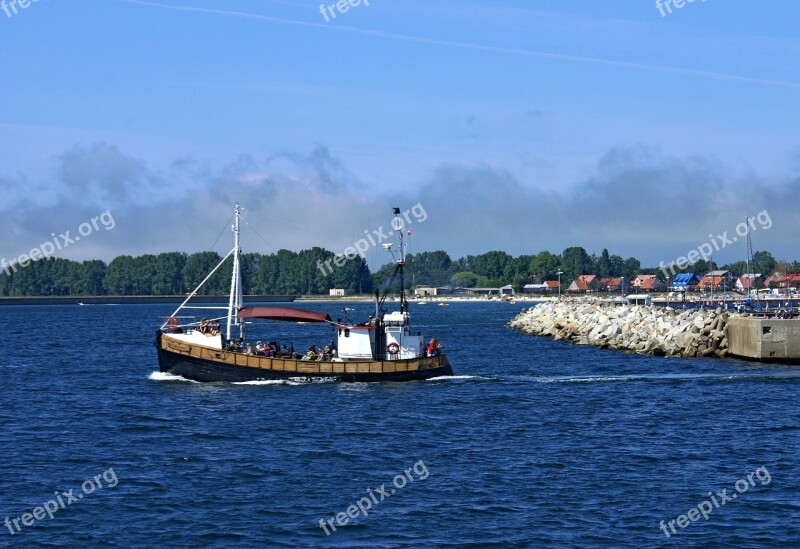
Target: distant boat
380	349
444	304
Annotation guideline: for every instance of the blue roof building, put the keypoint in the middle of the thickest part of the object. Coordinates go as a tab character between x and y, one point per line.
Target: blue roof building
685	281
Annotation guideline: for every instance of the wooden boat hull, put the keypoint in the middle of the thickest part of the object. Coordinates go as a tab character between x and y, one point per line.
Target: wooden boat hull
204	364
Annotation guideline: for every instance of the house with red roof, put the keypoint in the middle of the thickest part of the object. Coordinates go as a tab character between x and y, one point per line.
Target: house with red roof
783	280
611	283
585	283
648	283
749	281
717	281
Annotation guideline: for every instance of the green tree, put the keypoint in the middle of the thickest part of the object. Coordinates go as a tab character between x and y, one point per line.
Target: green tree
631	268
167	273
87	277
464	279
764	263
5	283
575	261
119	276
431	268
384	279
545	266
604	264
198	266
493	265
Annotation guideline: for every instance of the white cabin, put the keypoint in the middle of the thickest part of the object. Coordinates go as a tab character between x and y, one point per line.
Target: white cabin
358	342
196	337
355	342
398	332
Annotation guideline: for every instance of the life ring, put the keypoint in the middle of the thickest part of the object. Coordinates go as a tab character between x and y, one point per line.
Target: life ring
393	348
172	324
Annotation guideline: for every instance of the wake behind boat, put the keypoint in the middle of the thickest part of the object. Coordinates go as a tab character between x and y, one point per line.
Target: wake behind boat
380	349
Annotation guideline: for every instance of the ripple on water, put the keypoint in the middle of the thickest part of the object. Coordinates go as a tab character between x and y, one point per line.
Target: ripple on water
531	442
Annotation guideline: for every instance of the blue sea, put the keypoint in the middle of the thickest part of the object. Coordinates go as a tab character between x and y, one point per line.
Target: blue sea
533	443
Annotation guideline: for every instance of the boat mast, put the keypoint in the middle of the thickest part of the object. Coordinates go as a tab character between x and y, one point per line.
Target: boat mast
398	226
235	301
750	263
747	258
711	256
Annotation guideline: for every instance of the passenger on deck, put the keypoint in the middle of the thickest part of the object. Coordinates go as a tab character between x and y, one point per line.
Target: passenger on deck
432	348
204	328
311	354
259	348
215	328
276	349
248	350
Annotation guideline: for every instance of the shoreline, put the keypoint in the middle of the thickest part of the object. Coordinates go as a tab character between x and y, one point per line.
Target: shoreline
133	300
658	300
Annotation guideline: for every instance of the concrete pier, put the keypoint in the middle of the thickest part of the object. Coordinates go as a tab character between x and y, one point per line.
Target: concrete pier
764	339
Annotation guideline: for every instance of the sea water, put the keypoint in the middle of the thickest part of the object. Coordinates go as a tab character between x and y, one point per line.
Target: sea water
532	443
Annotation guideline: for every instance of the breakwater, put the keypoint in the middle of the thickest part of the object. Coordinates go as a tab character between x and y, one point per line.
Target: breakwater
637	328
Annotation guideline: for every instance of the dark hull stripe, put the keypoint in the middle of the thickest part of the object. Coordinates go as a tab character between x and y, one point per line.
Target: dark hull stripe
199	369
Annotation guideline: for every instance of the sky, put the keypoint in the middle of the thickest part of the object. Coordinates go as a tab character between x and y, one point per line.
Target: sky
514	125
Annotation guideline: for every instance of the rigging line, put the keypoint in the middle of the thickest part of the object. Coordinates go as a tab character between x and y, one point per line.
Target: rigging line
259	236
222	231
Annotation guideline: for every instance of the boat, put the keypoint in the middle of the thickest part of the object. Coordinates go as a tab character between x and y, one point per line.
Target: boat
382	348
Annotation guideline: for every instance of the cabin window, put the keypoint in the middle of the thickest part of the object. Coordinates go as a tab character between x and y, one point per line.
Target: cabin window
766	330
347	333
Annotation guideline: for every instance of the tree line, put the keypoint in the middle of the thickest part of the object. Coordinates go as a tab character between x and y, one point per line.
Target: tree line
176	273
299	273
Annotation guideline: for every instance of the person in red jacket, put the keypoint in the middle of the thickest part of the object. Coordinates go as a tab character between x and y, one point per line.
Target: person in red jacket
433	348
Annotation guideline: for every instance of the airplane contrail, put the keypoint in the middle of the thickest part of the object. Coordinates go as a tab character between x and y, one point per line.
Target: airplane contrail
480	47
